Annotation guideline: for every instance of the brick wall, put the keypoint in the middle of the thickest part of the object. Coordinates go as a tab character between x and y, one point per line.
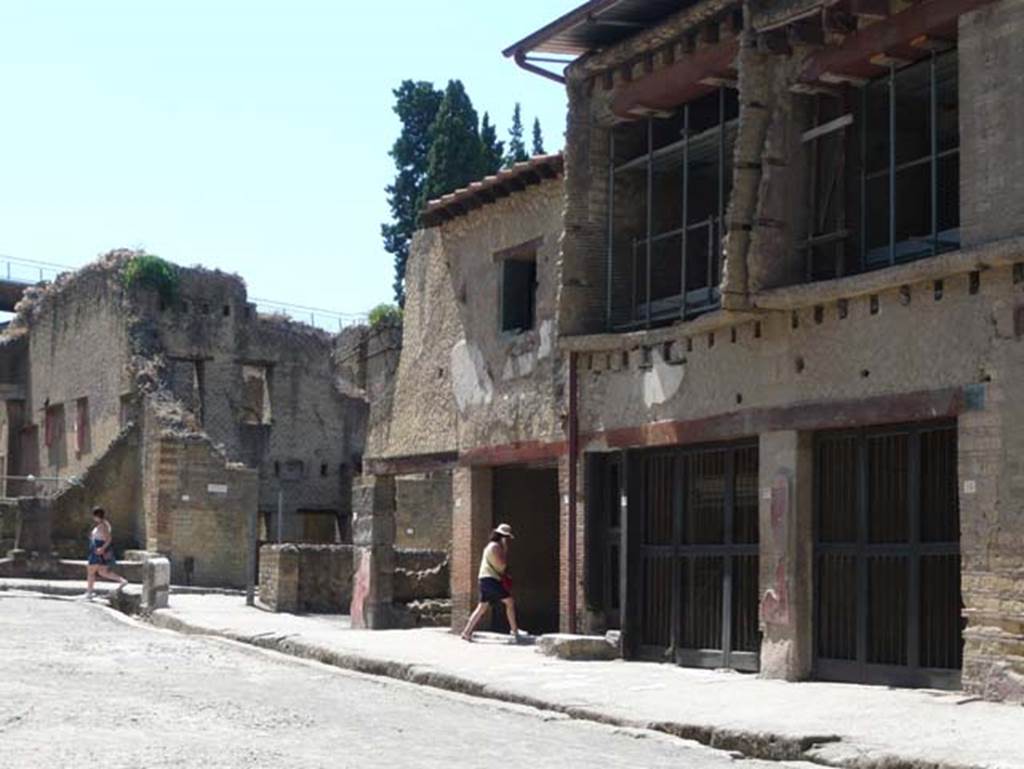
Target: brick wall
199	508
472	522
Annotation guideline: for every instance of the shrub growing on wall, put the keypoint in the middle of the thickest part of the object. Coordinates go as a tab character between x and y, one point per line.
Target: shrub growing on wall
150	271
388	314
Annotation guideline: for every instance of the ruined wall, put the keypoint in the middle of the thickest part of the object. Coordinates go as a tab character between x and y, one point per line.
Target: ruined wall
503	383
423	409
13	377
113	482
423	510
367	358
991	112
303	439
78	348
582	289
198	507
462	382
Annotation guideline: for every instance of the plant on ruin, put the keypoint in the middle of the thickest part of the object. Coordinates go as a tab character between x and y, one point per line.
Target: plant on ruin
385	315
152	272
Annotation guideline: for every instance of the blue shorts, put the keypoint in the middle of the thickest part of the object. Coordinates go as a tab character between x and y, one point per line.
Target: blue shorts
95	559
492	591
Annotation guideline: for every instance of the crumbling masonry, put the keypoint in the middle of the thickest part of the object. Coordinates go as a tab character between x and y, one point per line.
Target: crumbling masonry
190	419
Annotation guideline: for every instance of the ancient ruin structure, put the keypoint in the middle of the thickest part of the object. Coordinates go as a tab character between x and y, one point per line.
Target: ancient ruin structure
182	411
478	393
772	351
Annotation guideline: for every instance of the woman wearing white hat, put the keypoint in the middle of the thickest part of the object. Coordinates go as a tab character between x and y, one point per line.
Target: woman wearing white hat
495	585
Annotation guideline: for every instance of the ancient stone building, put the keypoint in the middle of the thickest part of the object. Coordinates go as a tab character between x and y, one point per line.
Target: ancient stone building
187	415
476	408
787	300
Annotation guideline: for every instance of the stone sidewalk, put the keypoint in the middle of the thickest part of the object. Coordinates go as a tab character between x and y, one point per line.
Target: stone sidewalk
830	724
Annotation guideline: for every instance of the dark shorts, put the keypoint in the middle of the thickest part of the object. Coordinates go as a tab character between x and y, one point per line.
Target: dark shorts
492	591
95	559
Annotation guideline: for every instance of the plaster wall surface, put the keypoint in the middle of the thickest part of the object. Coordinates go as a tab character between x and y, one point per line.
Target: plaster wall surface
906	346
462	382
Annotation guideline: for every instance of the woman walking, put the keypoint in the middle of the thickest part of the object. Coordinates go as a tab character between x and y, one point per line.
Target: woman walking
101	552
495	585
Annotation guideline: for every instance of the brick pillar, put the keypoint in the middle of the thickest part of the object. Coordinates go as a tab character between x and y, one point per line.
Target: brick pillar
786	467
373	535
279	577
472	522
991	488
583	621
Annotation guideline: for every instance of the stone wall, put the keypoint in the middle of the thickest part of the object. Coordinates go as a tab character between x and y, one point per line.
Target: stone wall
199	509
156	404
306	578
421	574
305	438
991	145
113	482
423	510
462	382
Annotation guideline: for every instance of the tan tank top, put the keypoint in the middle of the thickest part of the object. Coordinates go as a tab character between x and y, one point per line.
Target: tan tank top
487	569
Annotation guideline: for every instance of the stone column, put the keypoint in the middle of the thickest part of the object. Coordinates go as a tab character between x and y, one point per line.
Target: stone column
373	536
156	583
786	554
472	521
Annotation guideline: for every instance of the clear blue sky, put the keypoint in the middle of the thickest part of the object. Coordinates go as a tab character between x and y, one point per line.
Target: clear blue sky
249	135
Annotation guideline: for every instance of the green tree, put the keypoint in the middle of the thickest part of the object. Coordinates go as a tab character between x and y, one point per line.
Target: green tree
416	104
516	147
538	139
491	150
453	160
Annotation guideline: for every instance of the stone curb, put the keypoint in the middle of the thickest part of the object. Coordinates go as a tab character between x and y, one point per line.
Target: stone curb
760	745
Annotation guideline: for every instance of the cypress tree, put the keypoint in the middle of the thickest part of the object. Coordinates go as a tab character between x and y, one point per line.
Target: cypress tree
538	139
453	160
416	104
491	150
516	147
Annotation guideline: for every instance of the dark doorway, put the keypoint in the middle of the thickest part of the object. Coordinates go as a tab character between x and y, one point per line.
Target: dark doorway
887	565
694	512
527	500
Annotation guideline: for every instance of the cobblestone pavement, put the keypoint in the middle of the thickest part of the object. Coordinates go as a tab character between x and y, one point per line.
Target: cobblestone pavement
83	687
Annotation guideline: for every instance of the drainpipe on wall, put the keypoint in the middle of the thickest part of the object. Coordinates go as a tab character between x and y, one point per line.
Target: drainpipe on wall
573	462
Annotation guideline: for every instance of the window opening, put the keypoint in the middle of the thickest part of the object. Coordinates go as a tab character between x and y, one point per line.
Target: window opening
670	181
519	290
255	395
882	171
82	437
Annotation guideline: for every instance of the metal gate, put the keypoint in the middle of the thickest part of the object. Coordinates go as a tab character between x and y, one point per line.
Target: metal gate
887	556
698	555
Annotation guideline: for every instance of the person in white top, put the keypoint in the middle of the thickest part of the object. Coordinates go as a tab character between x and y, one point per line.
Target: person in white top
101	552
495	584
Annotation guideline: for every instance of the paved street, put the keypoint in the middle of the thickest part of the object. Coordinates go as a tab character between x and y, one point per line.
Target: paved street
82	687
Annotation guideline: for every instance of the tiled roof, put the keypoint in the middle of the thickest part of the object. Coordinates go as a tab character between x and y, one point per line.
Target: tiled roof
506	182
